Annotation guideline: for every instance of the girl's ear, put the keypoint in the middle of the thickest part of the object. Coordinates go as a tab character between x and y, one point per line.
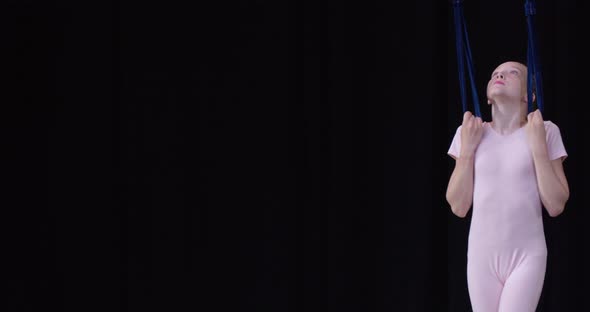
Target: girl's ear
526	98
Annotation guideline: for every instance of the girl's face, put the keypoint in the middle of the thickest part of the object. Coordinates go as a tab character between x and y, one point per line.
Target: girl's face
508	80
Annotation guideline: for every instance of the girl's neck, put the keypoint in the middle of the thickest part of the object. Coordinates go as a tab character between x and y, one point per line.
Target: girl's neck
507	118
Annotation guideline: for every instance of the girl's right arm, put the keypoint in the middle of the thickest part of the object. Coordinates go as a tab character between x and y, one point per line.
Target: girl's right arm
460	189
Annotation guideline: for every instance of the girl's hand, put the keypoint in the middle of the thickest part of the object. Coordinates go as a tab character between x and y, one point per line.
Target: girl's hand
536	134
471	133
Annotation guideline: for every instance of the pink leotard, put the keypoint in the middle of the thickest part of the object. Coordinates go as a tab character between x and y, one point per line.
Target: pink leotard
506	256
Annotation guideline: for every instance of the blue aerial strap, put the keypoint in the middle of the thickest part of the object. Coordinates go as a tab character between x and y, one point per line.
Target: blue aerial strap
533	62
464	52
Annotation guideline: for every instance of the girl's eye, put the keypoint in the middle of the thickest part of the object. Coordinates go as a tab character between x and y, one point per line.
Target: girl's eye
514	72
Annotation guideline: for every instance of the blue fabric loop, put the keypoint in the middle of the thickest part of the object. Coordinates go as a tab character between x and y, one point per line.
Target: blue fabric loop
534	76
464	55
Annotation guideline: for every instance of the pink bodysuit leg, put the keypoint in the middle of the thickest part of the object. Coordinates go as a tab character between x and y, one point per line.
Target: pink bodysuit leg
506	281
485	288
523	287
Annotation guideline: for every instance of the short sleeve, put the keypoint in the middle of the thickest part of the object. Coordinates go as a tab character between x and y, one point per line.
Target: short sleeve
455	148
555	147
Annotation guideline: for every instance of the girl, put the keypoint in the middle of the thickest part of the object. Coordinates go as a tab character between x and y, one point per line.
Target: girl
508	169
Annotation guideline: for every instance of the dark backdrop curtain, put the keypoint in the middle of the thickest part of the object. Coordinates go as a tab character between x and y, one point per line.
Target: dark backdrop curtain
261	155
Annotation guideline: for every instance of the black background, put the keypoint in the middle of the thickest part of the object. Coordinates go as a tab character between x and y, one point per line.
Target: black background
261	155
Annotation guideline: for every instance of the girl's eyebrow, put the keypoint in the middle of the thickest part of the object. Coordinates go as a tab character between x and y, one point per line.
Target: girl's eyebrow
520	71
